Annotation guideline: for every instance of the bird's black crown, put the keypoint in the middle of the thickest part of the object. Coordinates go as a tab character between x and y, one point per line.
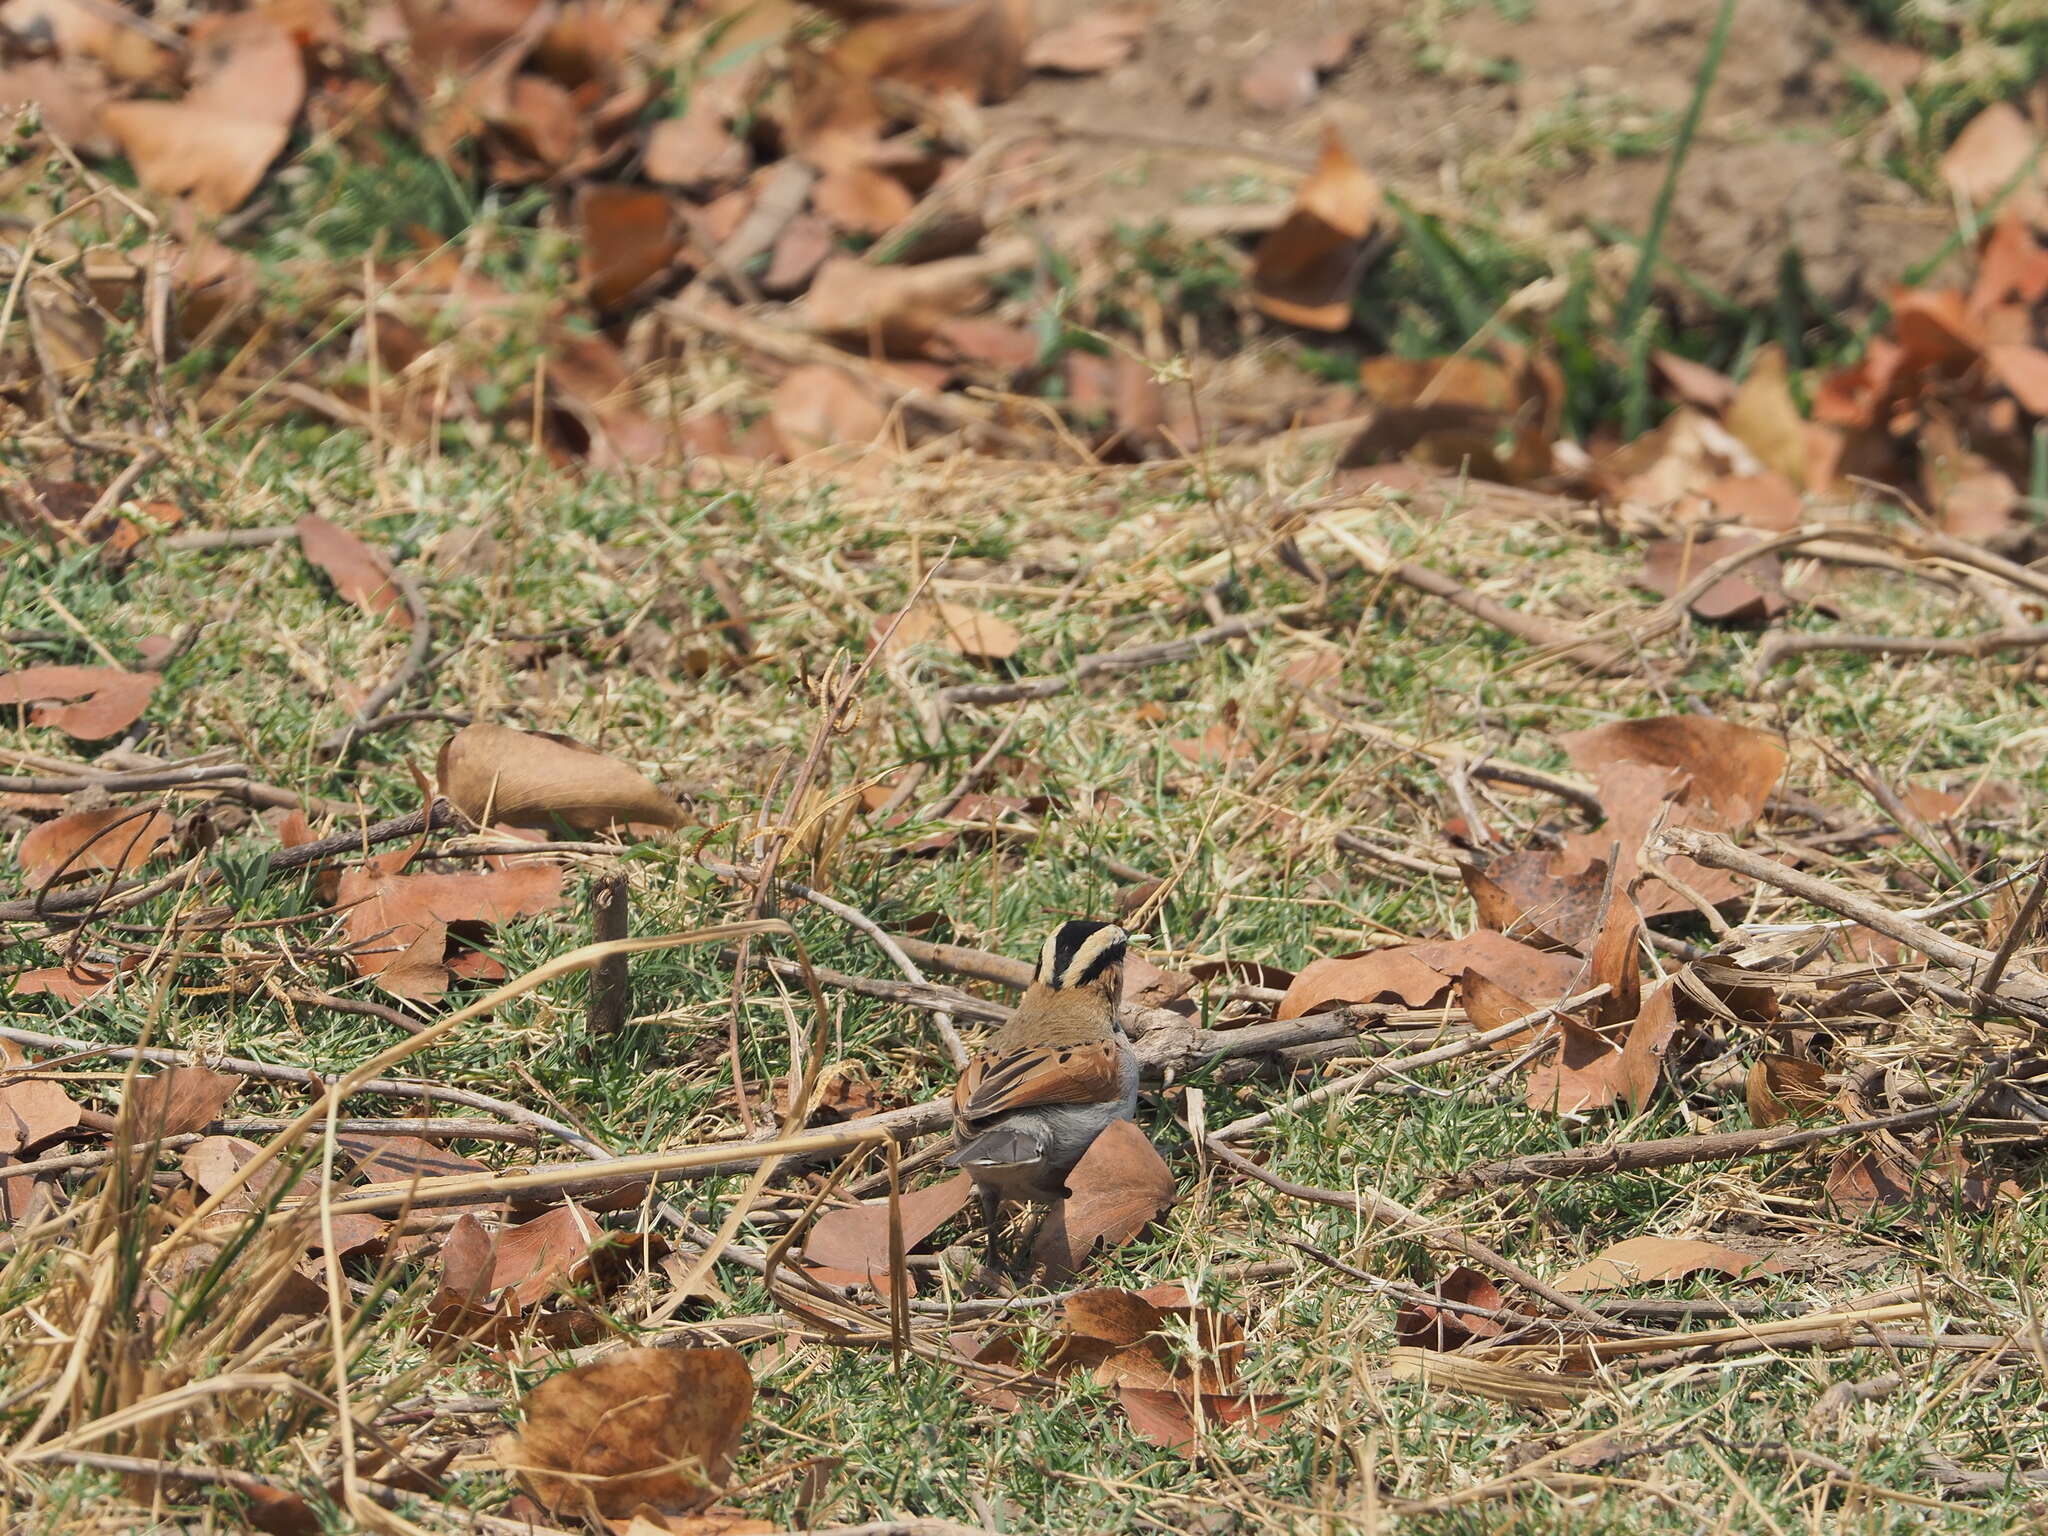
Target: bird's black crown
1081	952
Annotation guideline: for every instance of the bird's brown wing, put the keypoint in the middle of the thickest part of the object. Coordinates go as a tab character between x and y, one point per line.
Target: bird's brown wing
1037	1074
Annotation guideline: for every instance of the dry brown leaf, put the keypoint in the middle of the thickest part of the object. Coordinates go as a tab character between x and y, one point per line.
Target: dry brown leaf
1147	985
1613	959
1304	271
246	63
536	1258
1638	796
854	1240
1583	1073
533	779
1166	1388
391	1159
1886	1173
970	48
1766	420
90	703
70	983
819	406
117	839
2012	269
695	151
969	631
77	31
1217	747
180	1100
1382	975
1488	1005
2024	371
1120	1187
1649	1040
1540	975
70	95
647	1426
1781	1088
1695	383
1420	1326
398	925
1167	1418
359	573
33	1111
1734	768
215	145
1752	596
630	236
1768	501
1993	149
797	256
1093	42
1534	895
462	1305
1639	1260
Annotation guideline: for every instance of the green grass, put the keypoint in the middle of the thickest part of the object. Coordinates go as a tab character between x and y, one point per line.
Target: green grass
598	562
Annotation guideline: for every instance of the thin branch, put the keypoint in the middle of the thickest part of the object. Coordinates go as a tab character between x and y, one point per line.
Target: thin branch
2016	935
473	1130
389	1087
1130	658
941	807
1786	643
1377	1207
1393	1066
2022	989
282	861
338	742
1681	1151
230	538
117	783
942	1018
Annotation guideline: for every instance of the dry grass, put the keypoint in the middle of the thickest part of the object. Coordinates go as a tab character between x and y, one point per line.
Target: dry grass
586	612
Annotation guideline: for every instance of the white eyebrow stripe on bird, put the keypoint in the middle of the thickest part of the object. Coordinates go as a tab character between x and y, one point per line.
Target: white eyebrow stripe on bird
1091	949
1048	958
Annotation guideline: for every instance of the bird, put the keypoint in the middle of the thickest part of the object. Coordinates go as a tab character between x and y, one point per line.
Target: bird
1056	1075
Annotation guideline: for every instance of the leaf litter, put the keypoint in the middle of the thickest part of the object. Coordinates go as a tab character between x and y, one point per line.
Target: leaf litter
1720	1007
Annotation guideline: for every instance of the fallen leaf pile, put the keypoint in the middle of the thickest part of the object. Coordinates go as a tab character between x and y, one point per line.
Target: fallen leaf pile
1174	1366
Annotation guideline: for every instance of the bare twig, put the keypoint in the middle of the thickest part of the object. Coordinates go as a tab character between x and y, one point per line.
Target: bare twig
472	1130
942	1018
1680	1151
1377	1207
231	538
198	774
910	994
2016	935
396	1088
417	648
605	1014
1787	643
2022	989
1557	640
1393	1066
1130	658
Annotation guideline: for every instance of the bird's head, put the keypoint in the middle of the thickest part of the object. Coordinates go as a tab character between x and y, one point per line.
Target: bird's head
1083	954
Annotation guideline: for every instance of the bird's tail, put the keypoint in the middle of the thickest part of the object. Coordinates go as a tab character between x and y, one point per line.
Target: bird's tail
1003	1147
